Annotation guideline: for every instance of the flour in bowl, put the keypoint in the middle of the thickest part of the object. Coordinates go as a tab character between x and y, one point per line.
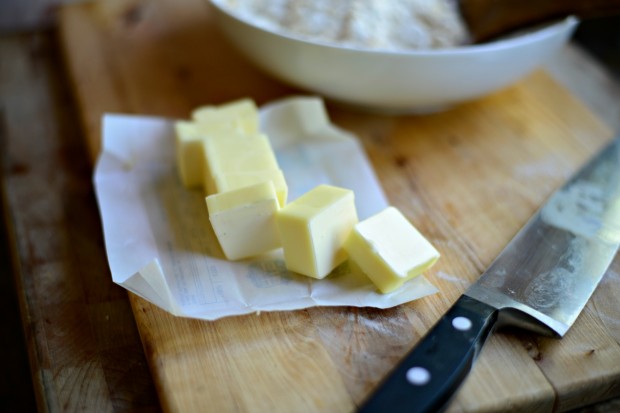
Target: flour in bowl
371	24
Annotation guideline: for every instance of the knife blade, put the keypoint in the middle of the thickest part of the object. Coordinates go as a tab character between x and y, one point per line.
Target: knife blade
540	281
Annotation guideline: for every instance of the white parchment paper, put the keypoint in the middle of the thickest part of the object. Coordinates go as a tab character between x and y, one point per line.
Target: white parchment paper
160	244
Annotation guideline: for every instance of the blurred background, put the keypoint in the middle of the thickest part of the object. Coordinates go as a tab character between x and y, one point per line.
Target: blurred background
23	19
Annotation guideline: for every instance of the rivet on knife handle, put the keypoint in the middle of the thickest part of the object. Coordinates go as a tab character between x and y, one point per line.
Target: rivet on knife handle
429	375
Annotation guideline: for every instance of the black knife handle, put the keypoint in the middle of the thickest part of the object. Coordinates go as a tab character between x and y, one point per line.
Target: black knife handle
427	378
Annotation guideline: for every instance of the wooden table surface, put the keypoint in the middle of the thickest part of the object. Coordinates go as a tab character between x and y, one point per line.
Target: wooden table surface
83	344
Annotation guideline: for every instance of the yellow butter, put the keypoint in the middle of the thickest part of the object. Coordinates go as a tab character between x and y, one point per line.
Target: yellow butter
221	150
389	249
190	163
239	115
235	180
313	229
240	153
244	220
235	153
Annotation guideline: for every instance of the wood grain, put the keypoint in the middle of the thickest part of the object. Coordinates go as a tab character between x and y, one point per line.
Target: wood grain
467	178
82	341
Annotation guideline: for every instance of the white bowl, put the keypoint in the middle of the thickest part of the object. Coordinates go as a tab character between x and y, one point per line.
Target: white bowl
388	81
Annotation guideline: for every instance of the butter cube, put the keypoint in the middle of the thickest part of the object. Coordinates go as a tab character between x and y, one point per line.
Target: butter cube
313	229
244	220
189	141
233	153
240	153
389	249
190	163
239	115
235	180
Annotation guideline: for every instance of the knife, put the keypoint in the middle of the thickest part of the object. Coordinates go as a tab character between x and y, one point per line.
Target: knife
541	281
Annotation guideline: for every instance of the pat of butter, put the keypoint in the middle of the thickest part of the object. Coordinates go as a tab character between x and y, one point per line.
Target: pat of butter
389	249
313	229
235	180
244	220
190	165
239	115
234	153
231	152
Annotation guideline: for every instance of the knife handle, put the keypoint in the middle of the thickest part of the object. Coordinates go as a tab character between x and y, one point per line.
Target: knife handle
430	374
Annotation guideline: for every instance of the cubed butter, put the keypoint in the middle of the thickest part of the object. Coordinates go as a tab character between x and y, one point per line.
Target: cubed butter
313	229
235	180
189	142
233	153
222	143
244	220
190	162
239	115
389	249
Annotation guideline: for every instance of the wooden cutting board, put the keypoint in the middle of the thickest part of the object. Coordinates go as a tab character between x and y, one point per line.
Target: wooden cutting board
468	178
